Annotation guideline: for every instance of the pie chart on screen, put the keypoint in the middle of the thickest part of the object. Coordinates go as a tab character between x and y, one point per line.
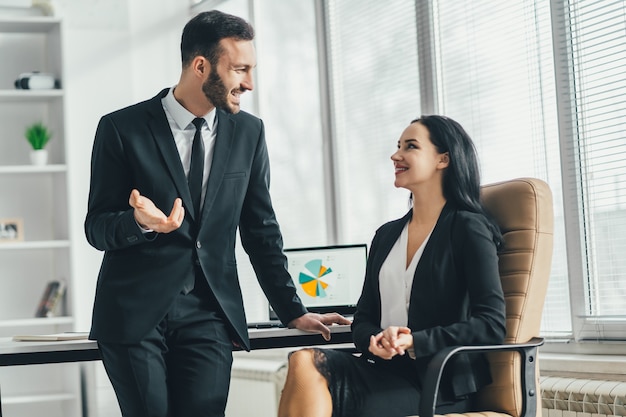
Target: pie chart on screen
311	279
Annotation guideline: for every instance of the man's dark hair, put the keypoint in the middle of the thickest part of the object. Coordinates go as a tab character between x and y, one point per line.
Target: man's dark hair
202	34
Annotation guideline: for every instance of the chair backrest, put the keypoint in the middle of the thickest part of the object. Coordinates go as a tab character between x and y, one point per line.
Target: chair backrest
523	210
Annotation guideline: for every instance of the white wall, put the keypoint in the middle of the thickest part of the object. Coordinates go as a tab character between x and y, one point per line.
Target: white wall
116	53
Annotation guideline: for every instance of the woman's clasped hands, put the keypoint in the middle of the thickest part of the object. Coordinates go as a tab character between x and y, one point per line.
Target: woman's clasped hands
394	340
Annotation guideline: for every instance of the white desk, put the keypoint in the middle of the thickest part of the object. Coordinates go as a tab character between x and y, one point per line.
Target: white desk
32	353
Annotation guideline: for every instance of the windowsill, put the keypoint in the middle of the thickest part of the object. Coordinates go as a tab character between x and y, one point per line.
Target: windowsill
591	360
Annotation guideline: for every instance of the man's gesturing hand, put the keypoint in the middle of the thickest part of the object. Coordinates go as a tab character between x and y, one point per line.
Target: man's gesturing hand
149	217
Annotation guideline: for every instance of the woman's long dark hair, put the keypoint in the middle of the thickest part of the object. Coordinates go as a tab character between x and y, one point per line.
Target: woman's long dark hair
461	179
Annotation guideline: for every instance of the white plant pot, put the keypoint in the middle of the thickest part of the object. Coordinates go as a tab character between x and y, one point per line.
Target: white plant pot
39	157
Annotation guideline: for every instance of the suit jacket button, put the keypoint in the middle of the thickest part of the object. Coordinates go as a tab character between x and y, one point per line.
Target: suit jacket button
198	244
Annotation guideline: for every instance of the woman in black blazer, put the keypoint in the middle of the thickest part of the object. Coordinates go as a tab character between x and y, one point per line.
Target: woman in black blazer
432	281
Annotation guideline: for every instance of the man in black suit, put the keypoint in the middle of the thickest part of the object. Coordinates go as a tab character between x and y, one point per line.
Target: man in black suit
168	307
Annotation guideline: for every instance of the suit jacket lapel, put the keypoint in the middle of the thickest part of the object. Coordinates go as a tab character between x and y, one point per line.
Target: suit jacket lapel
162	134
426	270
221	153
390	239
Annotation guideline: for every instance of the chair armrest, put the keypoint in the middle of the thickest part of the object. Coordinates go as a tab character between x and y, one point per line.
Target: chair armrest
528	352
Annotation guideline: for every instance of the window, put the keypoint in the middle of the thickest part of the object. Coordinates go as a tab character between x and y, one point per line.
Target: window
494	74
591	40
288	89
374	82
539	85
287	98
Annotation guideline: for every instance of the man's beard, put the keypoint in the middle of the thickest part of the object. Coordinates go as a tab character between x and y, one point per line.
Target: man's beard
216	92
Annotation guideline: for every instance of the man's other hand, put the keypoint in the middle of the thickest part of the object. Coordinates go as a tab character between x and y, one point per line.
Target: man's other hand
318	323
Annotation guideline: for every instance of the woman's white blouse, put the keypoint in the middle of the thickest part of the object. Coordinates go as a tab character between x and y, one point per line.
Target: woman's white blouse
395	281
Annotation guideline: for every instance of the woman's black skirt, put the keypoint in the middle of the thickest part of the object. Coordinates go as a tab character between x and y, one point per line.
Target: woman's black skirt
362	387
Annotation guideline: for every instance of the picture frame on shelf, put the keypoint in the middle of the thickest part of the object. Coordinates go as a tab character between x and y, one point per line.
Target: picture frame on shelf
11	230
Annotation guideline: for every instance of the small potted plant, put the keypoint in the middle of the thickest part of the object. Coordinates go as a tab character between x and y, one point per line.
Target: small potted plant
38	136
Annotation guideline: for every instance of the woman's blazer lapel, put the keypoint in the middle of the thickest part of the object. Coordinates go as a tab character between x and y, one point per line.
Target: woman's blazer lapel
433	272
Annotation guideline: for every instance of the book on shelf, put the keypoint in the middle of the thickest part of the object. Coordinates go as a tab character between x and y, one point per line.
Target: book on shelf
50	300
53	337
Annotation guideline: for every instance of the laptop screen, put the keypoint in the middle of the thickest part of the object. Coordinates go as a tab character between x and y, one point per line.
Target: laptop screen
328	278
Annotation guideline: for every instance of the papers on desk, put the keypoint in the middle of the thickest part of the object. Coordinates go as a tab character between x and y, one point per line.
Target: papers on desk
55	337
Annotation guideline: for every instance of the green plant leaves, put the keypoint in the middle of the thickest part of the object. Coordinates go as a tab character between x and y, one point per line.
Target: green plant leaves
37	135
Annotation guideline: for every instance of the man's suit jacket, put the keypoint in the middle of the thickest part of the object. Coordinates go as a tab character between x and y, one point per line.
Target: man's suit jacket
456	297
142	273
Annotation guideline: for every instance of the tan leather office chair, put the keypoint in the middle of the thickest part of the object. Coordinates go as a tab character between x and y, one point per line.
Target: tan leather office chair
523	209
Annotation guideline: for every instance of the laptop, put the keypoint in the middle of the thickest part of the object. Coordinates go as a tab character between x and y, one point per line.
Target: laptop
327	279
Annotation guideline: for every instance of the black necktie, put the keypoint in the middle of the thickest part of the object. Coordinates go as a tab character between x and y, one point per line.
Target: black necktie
197	167
195	186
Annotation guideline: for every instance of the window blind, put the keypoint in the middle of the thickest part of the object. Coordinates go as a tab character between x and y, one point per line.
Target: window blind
374	80
596	43
495	76
289	103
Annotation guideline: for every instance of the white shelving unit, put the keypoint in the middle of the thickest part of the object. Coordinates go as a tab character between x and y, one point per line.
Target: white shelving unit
38	196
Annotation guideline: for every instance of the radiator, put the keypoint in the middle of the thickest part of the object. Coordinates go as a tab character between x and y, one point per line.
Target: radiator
574	397
256	385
